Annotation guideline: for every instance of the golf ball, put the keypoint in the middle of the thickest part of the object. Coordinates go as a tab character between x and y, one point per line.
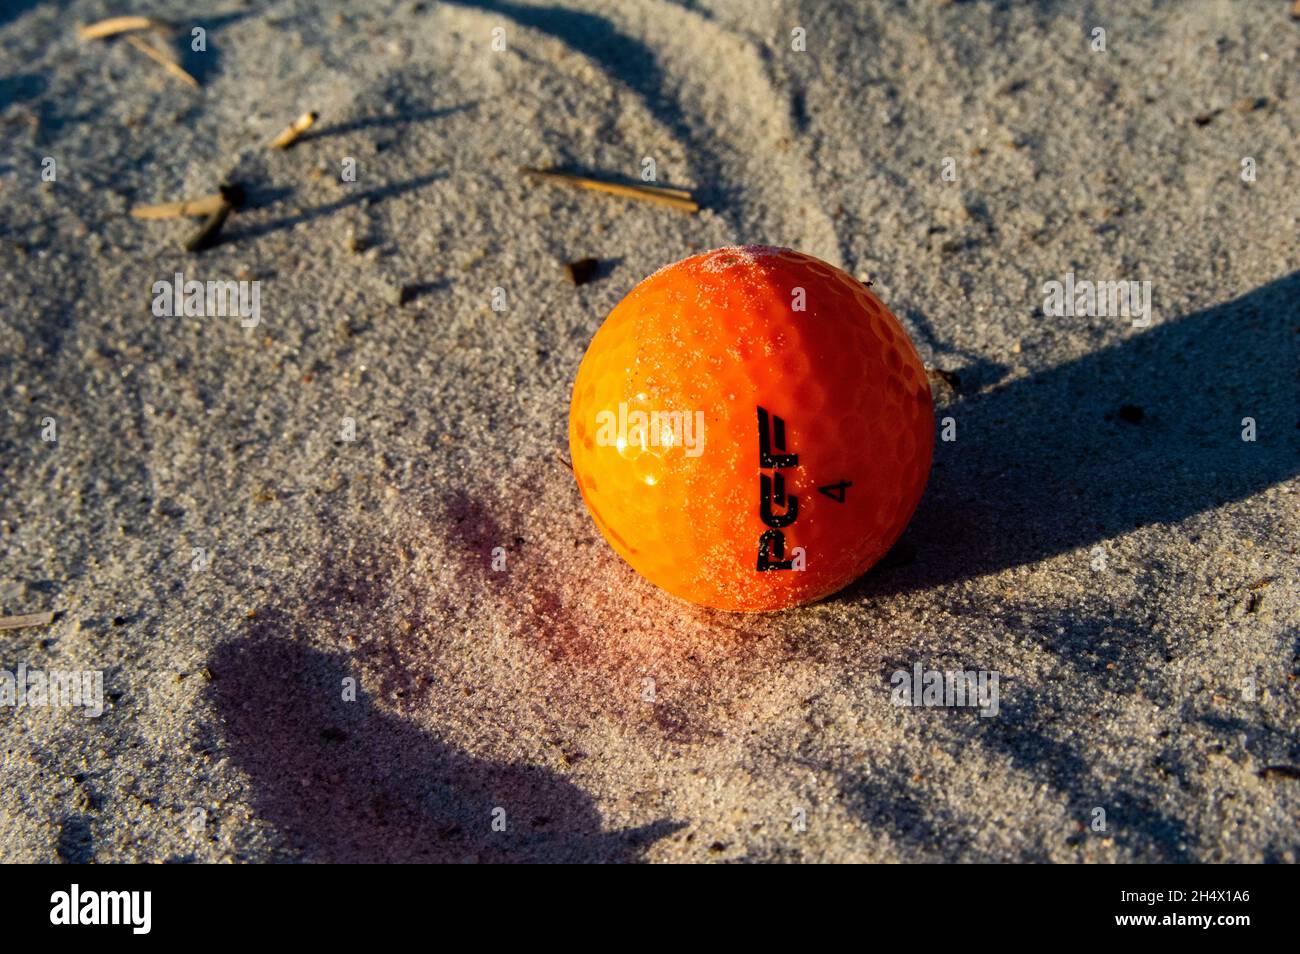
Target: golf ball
751	428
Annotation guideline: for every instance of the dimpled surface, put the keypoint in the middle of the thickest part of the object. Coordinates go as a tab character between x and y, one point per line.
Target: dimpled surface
716	337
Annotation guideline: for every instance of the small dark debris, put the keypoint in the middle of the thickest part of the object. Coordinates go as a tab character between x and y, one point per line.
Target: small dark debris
1280	771
1248	104
718	847
1131	413
119	620
1204	119
396	294
954	246
582	270
415	290
169	509
949	378
333	734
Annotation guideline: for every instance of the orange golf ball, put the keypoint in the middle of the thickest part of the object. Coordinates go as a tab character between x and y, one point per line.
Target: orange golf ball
751	428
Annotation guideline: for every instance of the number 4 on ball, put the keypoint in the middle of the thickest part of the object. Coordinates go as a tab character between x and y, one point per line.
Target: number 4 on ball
836	491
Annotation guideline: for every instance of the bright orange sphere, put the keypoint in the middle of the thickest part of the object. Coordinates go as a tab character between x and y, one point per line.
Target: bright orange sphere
751	428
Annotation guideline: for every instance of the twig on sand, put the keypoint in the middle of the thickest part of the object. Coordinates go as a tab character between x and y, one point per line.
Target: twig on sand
175	210
115	25
207	235
133	25
678	199
560	458
163	60
214	209
26	619
293	131
231	197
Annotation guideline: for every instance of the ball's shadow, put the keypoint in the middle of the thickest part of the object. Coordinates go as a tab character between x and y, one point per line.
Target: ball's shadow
1144	432
1056	462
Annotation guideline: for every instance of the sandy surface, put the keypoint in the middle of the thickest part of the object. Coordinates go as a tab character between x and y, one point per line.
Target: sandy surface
1125	578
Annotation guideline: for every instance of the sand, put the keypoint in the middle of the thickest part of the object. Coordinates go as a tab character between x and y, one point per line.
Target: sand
1098	534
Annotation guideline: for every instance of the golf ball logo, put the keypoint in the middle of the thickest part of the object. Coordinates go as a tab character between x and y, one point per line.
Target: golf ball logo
834	387
771	493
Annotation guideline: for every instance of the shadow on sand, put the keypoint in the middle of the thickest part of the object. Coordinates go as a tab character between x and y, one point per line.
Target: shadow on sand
1048	464
347	782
